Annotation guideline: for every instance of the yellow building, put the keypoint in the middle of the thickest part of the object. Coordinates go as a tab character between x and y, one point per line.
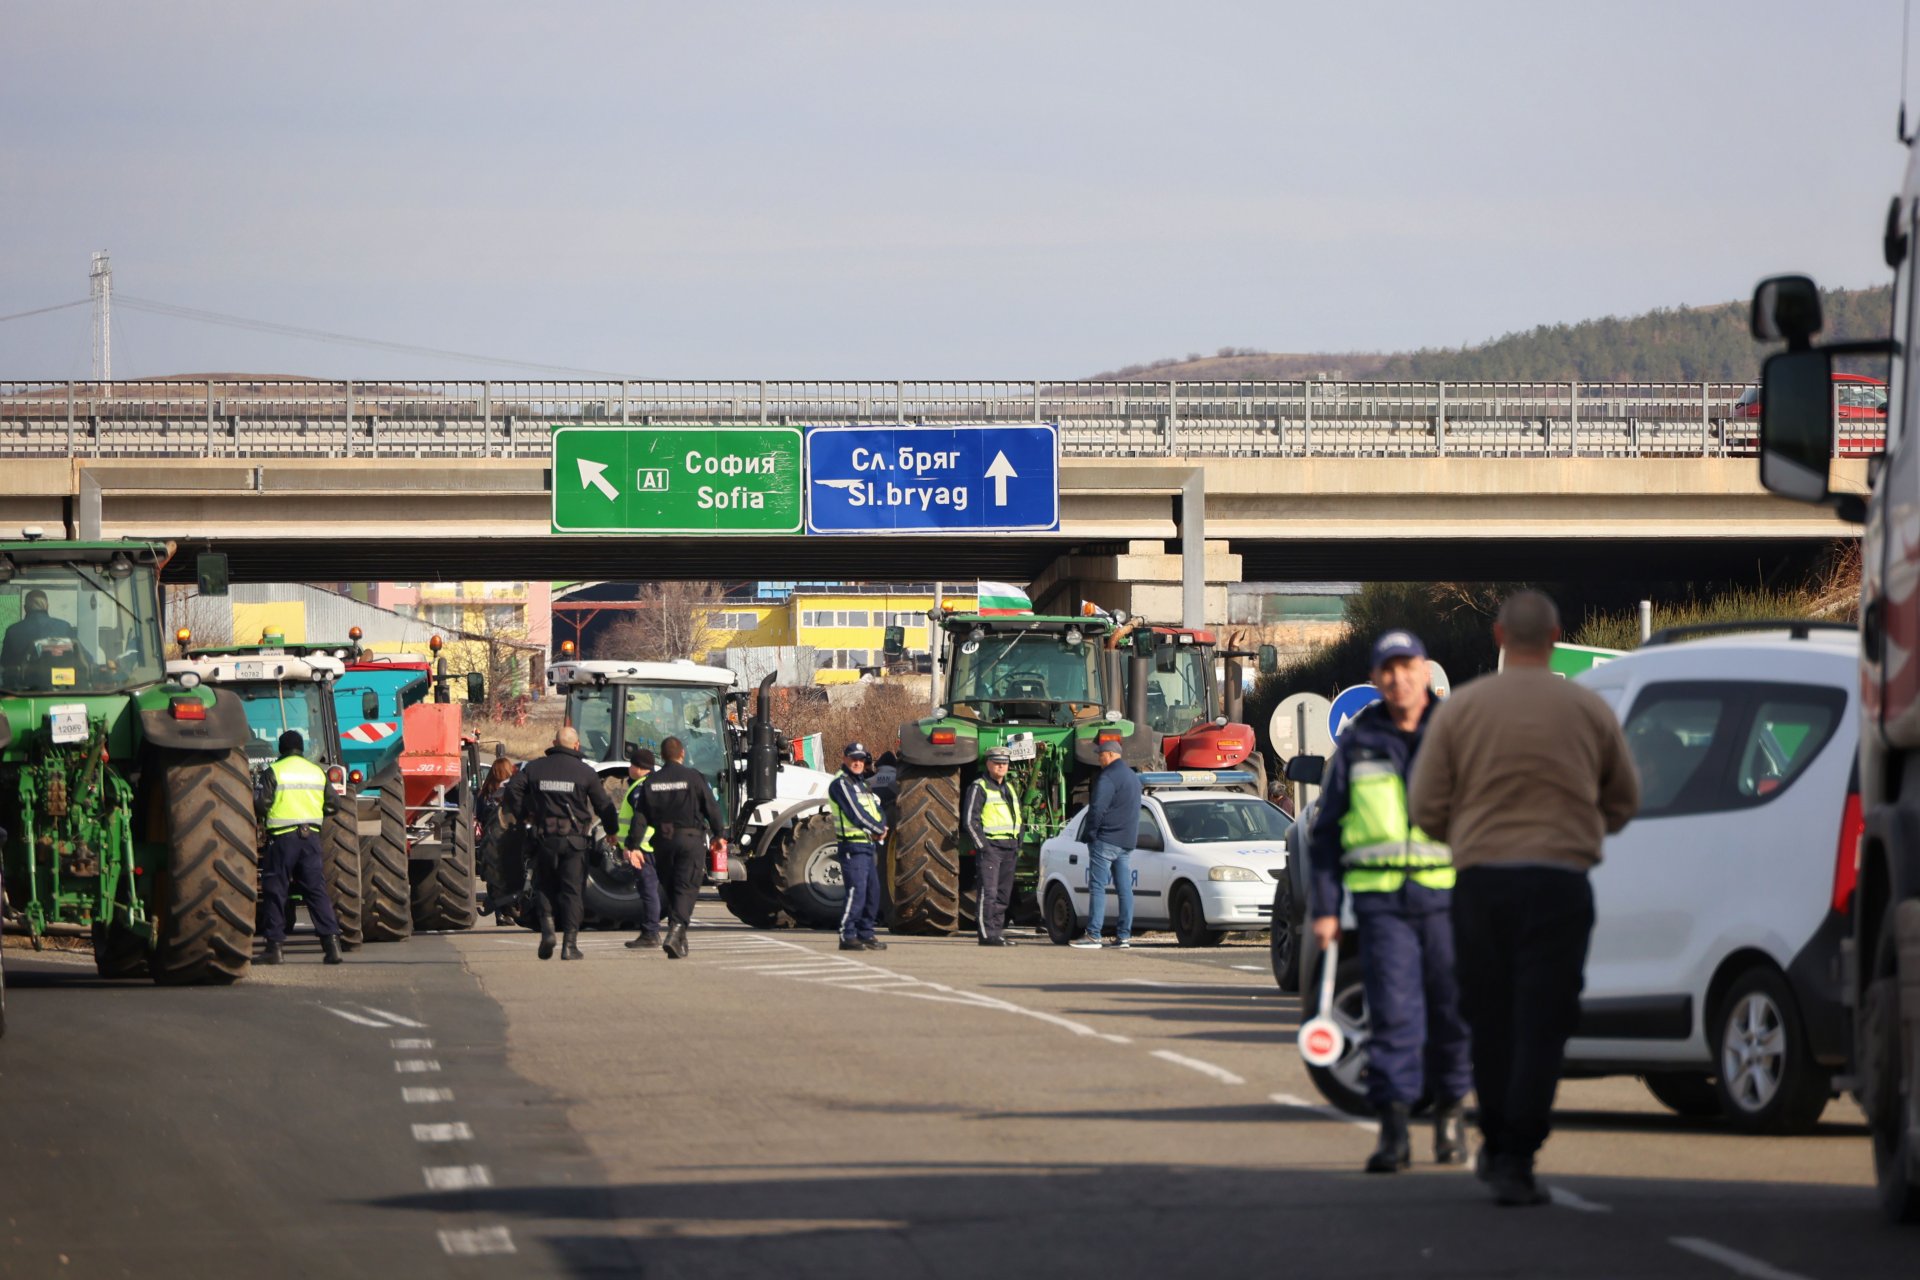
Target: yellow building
846	626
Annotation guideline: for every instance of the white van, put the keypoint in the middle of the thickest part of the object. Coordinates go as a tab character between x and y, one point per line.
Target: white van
1714	971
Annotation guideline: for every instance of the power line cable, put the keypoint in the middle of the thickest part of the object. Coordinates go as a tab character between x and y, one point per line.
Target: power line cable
202	316
40	311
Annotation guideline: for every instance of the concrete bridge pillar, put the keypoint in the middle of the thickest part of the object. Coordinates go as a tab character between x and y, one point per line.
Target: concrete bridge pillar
1141	577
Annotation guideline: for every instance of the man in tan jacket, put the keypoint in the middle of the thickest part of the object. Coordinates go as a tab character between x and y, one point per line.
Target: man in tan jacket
1523	773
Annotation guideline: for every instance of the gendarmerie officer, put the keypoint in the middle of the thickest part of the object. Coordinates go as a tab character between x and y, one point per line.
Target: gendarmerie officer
677	802
991	815
558	797
293	799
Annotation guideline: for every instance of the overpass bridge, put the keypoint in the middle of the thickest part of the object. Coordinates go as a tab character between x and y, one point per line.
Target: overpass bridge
325	481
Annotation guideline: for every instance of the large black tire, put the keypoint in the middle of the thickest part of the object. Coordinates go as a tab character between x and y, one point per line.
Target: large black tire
1283	943
386	906
119	952
1685	1093
806	874
1781	1089
340	843
445	890
754	901
924	891
1344	1083
1885	1087
204	901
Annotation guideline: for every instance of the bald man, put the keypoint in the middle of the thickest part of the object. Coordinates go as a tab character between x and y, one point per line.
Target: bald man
558	797
1523	773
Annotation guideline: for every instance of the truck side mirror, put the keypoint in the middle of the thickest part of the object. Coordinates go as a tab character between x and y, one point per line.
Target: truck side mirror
1796	424
1268	660
895	643
1145	643
1786	309
476	687
369	705
210	573
1306	769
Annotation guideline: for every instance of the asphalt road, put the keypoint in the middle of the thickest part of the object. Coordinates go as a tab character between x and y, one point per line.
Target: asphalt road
771	1107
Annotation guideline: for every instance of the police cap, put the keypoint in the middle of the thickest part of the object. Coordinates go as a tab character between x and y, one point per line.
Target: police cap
856	751
999	755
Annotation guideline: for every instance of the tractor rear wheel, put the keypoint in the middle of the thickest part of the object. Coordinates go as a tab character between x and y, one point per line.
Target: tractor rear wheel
754	902
444	892
386	913
340	842
204	901
807	876
118	952
924	892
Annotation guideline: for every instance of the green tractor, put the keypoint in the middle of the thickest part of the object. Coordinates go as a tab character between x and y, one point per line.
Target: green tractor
127	802
1043	689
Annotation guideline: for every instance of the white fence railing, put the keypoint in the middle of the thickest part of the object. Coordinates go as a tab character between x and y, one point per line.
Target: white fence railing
265	419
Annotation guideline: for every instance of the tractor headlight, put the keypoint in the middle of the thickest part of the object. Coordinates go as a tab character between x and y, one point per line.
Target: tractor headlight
1233	873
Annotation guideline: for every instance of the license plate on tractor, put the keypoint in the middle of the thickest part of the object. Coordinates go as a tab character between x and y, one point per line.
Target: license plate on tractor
68	722
1021	746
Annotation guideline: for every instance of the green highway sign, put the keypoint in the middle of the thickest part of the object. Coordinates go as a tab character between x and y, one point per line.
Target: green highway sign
1572	659
696	479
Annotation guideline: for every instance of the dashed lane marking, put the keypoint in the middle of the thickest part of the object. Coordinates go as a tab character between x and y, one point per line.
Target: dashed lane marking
356	1018
1568	1200
410	1044
458	1131
396	1019
420	1095
1251	968
457	1177
1733	1259
1221	1074
414	1066
477	1242
1320	1109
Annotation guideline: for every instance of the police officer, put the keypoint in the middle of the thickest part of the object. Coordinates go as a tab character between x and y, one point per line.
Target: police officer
558	797
991	815
677	802
1402	885
860	821
640	763
293	799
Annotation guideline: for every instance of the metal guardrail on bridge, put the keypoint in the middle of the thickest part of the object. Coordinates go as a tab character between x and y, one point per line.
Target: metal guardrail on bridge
253	418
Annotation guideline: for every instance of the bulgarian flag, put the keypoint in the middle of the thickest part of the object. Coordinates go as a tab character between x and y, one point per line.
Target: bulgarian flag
1003	598
807	752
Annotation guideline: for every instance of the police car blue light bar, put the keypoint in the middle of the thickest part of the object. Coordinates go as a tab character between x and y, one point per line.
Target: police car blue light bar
1196	777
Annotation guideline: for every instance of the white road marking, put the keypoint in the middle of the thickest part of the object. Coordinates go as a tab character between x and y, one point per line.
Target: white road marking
396	1019
457	1177
1319	1109
409	1044
417	1095
455	1132
478	1241
414	1066
1252	968
1568	1200
1732	1259
354	1017
1221	1074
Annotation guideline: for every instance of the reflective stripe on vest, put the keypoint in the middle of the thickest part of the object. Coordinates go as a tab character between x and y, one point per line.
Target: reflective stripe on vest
626	817
299	794
1000	815
849	830
1380	847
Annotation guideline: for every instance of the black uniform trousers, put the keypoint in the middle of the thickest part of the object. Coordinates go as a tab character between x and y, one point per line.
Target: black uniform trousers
561	878
683	866
295	861
1520	947
993	873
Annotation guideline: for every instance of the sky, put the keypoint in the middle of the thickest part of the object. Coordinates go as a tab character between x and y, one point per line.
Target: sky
893	189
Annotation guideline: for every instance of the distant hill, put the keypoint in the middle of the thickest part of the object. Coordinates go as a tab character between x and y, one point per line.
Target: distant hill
1669	344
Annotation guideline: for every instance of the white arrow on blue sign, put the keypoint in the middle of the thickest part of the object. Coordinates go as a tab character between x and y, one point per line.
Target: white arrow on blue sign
933	479
1347	704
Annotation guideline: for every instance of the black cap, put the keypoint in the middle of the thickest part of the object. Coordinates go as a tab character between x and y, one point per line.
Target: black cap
856	751
640	757
291	743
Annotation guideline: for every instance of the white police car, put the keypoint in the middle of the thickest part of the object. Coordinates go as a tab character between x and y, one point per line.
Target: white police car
1204	864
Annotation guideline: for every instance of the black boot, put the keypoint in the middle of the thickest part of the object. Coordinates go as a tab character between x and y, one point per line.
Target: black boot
1513	1184
271	955
330	948
1395	1151
676	944
570	948
647	941
546	930
1449	1133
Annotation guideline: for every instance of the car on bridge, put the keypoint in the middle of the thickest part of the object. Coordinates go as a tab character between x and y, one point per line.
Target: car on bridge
1860	405
1205	861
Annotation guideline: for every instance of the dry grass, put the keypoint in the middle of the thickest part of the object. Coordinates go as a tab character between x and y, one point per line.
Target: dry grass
522	741
874	718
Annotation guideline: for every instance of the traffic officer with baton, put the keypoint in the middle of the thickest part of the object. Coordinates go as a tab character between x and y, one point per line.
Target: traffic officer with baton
677	802
558	797
1402	885
640	763
860	821
991	815
293	799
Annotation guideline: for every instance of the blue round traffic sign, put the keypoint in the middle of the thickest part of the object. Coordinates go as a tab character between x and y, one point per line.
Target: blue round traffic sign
1347	704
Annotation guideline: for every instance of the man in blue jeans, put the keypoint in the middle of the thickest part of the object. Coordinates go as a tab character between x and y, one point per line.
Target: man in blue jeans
1113	821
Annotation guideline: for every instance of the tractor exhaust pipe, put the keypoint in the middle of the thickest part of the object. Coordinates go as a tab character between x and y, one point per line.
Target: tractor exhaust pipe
763	747
1236	699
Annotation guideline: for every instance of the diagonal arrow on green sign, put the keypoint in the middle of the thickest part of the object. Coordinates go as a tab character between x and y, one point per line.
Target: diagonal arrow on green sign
691	479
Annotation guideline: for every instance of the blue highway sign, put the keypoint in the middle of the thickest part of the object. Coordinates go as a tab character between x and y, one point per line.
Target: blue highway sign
1347	704
944	479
